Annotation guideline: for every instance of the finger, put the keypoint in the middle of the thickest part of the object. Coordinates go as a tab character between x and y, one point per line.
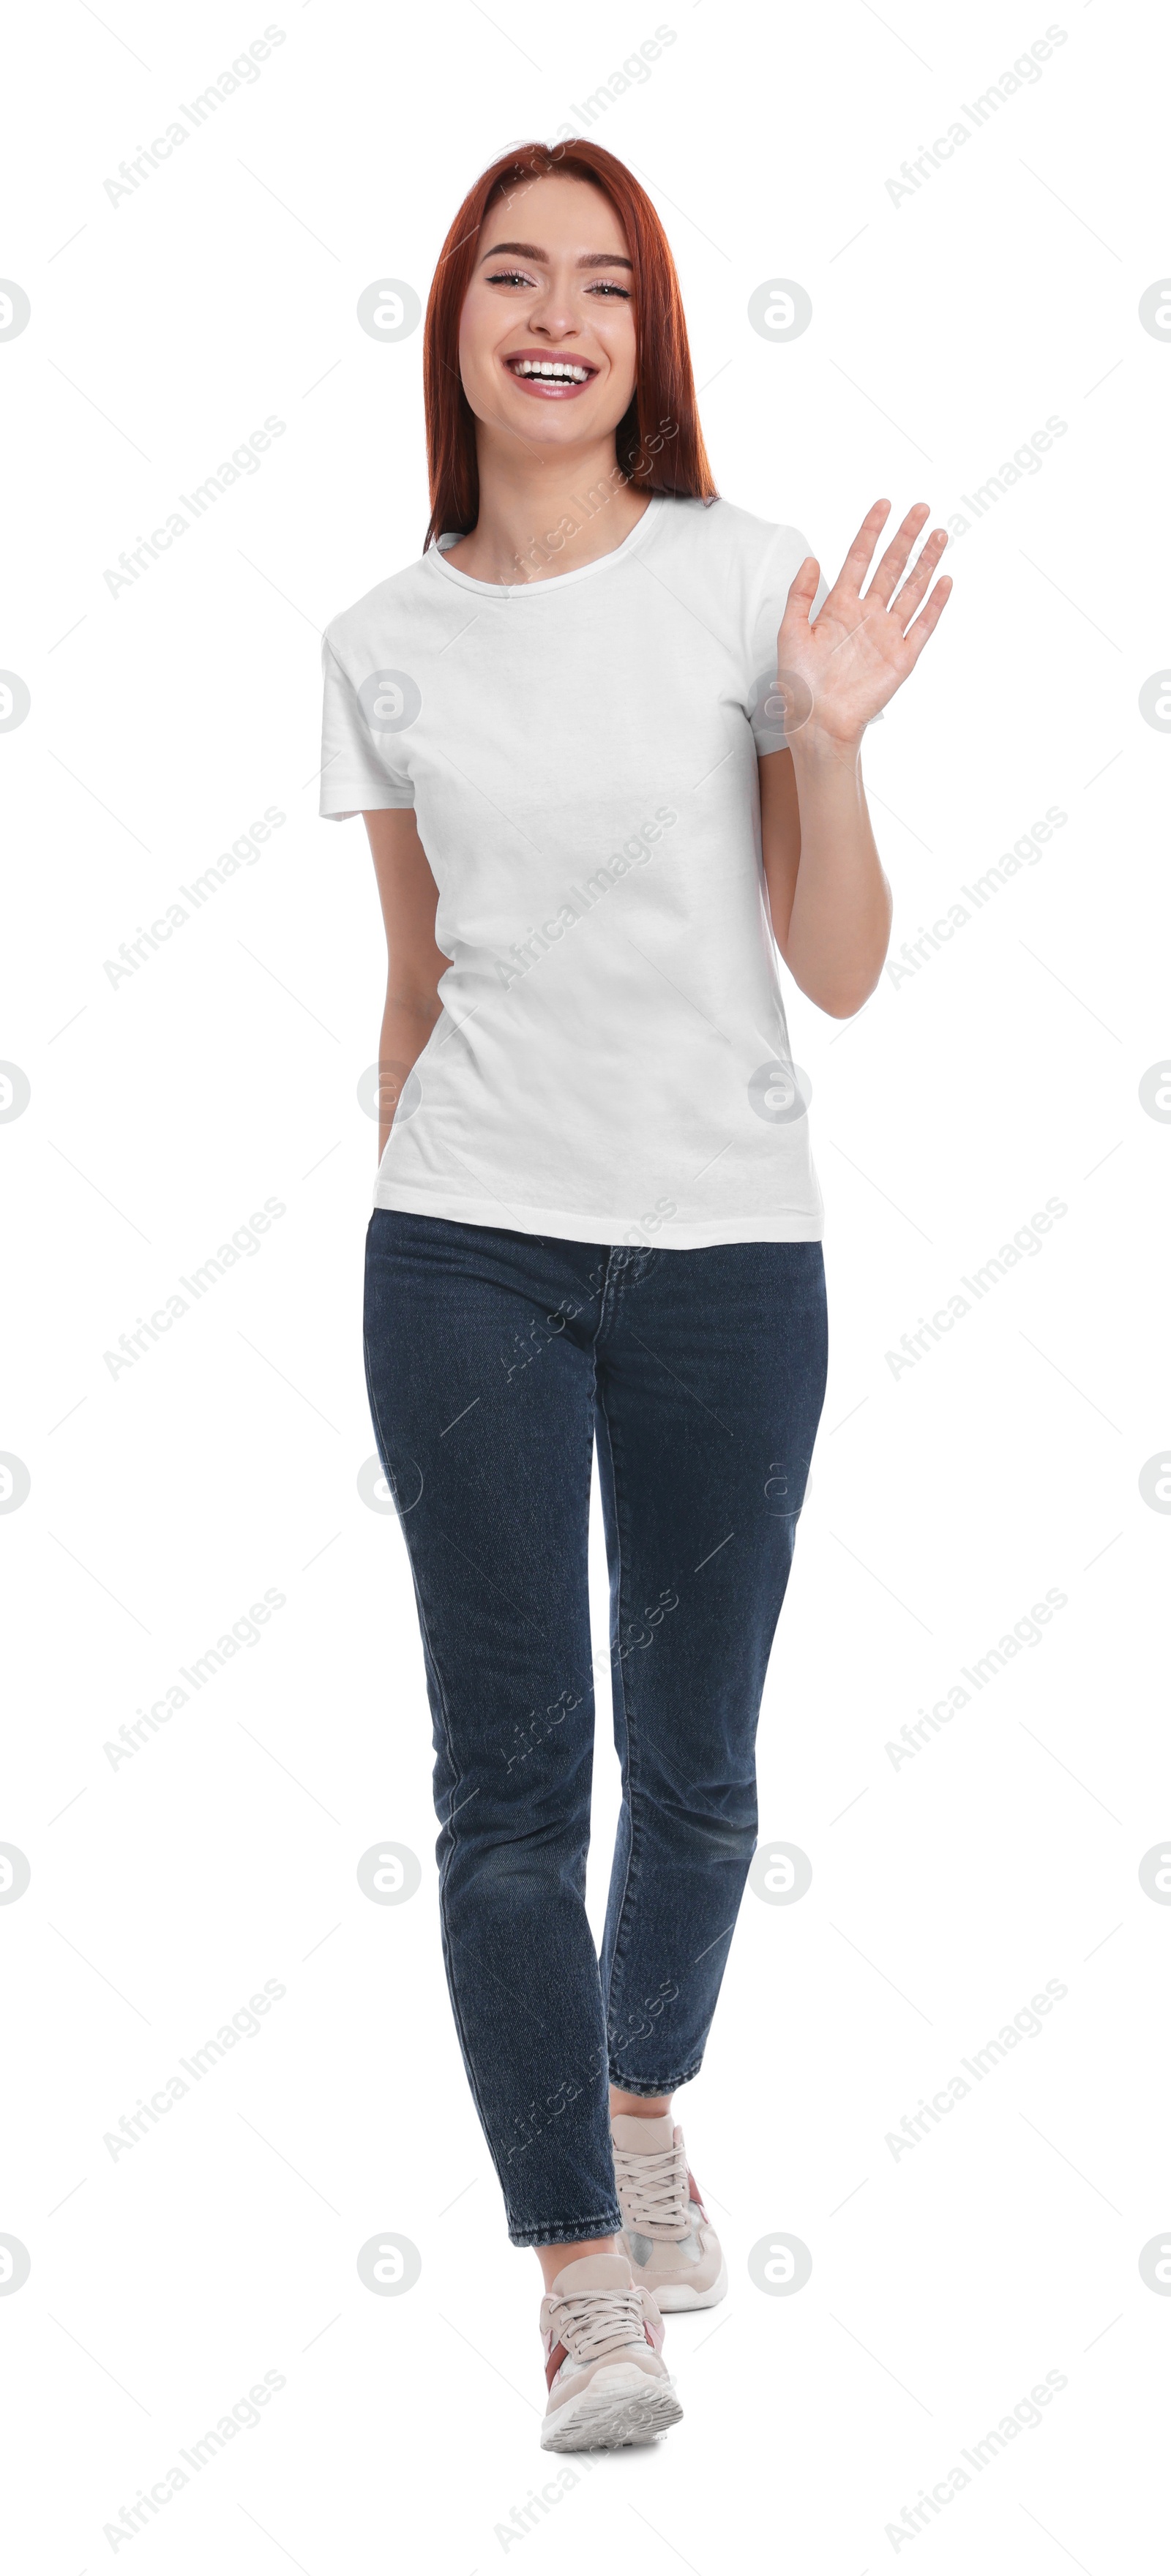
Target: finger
853	572
893	563
907	598
928	617
802	591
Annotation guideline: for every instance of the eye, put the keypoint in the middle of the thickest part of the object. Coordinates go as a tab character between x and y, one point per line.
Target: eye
508	277
605	286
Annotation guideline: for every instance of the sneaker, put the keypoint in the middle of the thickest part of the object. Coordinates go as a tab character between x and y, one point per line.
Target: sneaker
674	2249
603	2339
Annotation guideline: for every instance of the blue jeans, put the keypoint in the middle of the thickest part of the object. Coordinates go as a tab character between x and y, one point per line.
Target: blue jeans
494	1360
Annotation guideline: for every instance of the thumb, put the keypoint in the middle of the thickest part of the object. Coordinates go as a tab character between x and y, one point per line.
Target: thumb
803	587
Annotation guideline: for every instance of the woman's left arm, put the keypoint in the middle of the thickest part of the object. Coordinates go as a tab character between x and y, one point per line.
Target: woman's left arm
829	900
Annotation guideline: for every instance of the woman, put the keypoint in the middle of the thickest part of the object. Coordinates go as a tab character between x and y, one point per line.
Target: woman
605	762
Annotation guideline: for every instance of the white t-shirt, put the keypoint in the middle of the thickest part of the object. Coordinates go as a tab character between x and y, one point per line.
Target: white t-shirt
612	1062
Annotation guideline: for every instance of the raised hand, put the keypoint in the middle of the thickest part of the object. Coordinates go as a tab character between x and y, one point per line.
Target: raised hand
835	675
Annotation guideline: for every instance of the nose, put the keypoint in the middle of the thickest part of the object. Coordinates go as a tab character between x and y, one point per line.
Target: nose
553	316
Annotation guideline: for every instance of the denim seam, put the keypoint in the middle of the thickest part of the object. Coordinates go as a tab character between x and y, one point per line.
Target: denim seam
622	1934
606	2224
666	2084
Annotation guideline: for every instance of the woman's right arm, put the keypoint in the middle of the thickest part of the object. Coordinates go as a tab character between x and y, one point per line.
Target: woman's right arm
414	965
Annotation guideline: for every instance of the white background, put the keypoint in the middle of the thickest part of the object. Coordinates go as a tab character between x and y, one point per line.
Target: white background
164	719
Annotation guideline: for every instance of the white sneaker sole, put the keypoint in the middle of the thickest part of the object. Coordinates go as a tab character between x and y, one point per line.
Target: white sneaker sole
674	2296
618	2405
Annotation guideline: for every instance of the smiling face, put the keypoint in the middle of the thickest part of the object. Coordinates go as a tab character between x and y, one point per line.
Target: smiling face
546	335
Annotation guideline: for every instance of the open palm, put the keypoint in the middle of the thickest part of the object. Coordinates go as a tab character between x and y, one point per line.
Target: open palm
838	673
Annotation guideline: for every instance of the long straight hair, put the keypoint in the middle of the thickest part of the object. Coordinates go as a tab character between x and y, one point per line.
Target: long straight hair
658	443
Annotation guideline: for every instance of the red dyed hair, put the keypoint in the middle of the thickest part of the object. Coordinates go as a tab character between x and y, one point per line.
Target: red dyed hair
663	406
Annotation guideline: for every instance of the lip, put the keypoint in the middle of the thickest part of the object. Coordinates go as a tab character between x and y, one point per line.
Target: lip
541	388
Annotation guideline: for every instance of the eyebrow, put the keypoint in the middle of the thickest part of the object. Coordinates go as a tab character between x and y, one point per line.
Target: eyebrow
589	258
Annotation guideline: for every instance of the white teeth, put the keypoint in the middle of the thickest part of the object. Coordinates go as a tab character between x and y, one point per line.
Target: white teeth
553	368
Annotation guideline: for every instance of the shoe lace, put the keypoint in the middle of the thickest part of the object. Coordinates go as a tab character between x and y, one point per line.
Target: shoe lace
597	2321
655	2190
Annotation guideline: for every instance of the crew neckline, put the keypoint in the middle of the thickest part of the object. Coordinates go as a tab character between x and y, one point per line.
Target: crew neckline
554	581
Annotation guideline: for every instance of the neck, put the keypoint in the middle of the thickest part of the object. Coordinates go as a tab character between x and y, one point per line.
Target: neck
546	514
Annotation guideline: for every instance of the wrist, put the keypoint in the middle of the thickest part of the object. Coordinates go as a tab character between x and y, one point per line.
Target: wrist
813	747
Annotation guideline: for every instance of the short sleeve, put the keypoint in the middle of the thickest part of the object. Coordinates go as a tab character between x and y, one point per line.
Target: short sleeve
355	779
785	558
